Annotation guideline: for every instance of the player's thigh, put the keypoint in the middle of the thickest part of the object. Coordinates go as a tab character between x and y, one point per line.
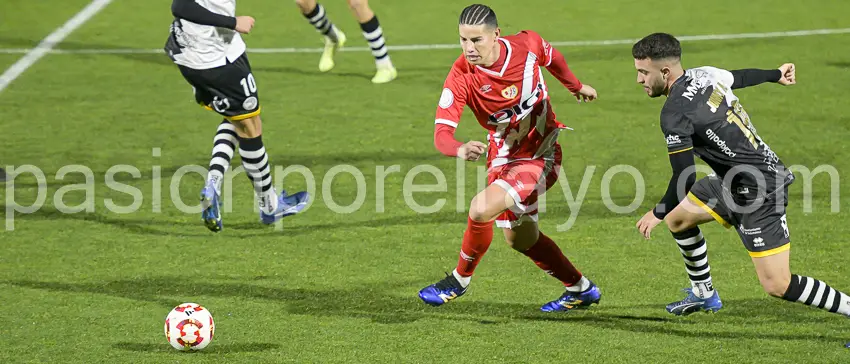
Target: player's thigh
764	233
234	89
523	236
774	272
687	215
248	128
490	203
704	203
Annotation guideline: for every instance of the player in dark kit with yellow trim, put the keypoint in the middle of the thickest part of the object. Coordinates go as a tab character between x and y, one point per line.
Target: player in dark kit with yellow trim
749	187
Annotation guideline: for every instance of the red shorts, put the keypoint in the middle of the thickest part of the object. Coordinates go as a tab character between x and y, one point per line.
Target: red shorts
525	181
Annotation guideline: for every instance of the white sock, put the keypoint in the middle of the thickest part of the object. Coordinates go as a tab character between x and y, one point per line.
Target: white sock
267	201
582	285
703	289
464	281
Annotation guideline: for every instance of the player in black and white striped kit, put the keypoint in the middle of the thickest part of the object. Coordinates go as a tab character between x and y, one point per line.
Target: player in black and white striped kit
206	45
335	38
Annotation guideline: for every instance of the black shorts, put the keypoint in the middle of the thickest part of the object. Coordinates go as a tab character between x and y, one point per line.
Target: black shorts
760	222
229	90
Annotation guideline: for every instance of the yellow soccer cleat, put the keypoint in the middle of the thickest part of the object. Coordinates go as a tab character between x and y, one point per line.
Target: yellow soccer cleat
385	74
326	63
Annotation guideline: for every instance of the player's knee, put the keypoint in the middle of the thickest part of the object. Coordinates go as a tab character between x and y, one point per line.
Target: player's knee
677	225
306	5
358	4
478	210
248	128
776	286
478	214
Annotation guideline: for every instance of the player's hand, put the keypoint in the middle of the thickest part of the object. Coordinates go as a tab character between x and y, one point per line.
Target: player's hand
789	74
471	151
586	94
647	223
244	24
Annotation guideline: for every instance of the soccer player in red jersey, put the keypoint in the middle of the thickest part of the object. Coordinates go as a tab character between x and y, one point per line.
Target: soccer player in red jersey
500	79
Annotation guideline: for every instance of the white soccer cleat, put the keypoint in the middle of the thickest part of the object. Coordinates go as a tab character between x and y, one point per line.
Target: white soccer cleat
326	63
385	74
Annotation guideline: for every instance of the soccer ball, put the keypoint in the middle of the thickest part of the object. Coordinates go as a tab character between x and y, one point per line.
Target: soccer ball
189	326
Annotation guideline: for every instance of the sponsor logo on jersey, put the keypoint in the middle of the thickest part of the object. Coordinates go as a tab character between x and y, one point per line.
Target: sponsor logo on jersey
520	109
447	98
673	140
720	143
485	89
510	92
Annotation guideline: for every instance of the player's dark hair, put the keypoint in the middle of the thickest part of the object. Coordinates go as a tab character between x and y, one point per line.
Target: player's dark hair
478	14
657	46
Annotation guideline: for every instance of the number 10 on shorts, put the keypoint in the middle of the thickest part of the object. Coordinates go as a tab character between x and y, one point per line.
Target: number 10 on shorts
249	85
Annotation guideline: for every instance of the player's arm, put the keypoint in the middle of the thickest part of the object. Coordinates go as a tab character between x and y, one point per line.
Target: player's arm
195	13
449	110
753	77
556	64
677	131
681	162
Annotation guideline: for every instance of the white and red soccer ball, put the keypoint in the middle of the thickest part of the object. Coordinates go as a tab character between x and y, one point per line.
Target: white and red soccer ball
189	326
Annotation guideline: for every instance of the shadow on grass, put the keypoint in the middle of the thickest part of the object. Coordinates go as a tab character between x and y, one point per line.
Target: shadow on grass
214	348
375	304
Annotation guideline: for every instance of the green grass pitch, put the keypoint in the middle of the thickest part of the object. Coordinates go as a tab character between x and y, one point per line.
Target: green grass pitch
340	287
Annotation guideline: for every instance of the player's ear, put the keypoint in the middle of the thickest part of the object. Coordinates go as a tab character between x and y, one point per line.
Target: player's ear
665	72
498	32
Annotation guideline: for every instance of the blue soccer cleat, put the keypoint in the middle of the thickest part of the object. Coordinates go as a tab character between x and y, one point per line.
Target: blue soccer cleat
847	345
443	291
286	205
211	204
692	304
573	300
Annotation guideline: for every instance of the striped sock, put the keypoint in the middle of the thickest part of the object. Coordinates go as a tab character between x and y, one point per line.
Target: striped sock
695	252
375	36
812	292
256	164
321	22
224	144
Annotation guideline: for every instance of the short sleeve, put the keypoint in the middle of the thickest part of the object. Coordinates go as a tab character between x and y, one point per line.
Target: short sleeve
452	99
677	129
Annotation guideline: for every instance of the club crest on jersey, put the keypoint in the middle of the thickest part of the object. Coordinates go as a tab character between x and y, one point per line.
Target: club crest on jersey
510	92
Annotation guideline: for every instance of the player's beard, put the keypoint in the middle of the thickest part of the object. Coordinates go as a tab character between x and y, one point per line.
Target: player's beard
656	90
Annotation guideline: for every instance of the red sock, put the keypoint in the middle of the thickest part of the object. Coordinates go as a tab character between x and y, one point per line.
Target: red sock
476	240
546	254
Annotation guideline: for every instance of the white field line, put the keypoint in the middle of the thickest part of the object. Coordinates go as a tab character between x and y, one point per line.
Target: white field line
418	47
31	56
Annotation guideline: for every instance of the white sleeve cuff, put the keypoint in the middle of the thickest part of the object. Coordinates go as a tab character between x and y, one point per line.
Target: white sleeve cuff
453	124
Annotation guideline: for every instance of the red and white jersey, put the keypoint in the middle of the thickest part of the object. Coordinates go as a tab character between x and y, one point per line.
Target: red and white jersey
510	99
